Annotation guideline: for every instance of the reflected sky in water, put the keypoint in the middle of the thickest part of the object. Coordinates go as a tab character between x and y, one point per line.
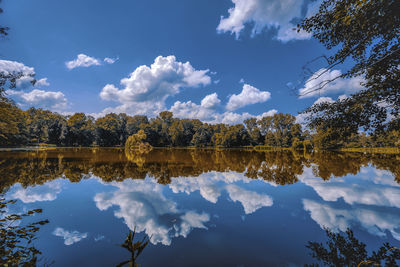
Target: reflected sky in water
201	207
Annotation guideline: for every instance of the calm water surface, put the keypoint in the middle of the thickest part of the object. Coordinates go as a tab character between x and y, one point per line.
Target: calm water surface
201	207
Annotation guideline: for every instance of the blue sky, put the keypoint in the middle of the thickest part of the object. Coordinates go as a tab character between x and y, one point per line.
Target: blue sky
241	55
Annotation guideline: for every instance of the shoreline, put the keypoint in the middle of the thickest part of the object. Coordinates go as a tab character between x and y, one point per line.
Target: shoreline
370	150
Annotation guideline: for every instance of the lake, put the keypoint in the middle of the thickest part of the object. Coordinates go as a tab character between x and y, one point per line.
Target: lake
200	207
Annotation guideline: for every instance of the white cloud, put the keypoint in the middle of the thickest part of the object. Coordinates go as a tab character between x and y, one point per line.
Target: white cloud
42	82
323	99
24	82
147	88
8	67
26	74
249	95
144	207
190	110
18	69
378	189
373	220
69	237
338	85
207	112
266	14
372	197
232	117
269	113
40	99
82	60
210	101
110	60
251	201
45	192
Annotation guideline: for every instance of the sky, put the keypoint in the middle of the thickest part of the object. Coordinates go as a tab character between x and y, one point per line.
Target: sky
218	61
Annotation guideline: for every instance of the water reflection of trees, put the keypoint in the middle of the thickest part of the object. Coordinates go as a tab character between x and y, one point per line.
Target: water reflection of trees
17	236
280	167
347	250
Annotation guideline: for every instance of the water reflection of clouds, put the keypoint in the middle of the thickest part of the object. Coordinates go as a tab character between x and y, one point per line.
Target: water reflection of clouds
70	237
45	192
143	205
251	201
372	196
212	184
372	219
372	187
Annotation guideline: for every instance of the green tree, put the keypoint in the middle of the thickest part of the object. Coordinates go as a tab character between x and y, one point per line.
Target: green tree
45	126
108	130
135	140
279	130
134	123
80	130
203	136
17	236
254	131
365	33
12	125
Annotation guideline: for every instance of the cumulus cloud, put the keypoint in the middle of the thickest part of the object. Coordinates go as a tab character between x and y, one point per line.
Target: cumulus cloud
147	88
70	238
210	101
266	14
24	73
249	95
372	219
251	201
8	67
109	60
42	82
205	111
338	85
190	110
46	192
83	60
24	82
144	207
41	99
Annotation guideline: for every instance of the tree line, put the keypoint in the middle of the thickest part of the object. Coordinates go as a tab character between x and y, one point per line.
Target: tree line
43	127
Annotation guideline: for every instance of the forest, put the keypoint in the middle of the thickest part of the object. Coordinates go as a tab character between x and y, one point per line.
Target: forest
38	127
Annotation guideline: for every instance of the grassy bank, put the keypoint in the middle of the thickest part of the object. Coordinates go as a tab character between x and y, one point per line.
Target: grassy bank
378	150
